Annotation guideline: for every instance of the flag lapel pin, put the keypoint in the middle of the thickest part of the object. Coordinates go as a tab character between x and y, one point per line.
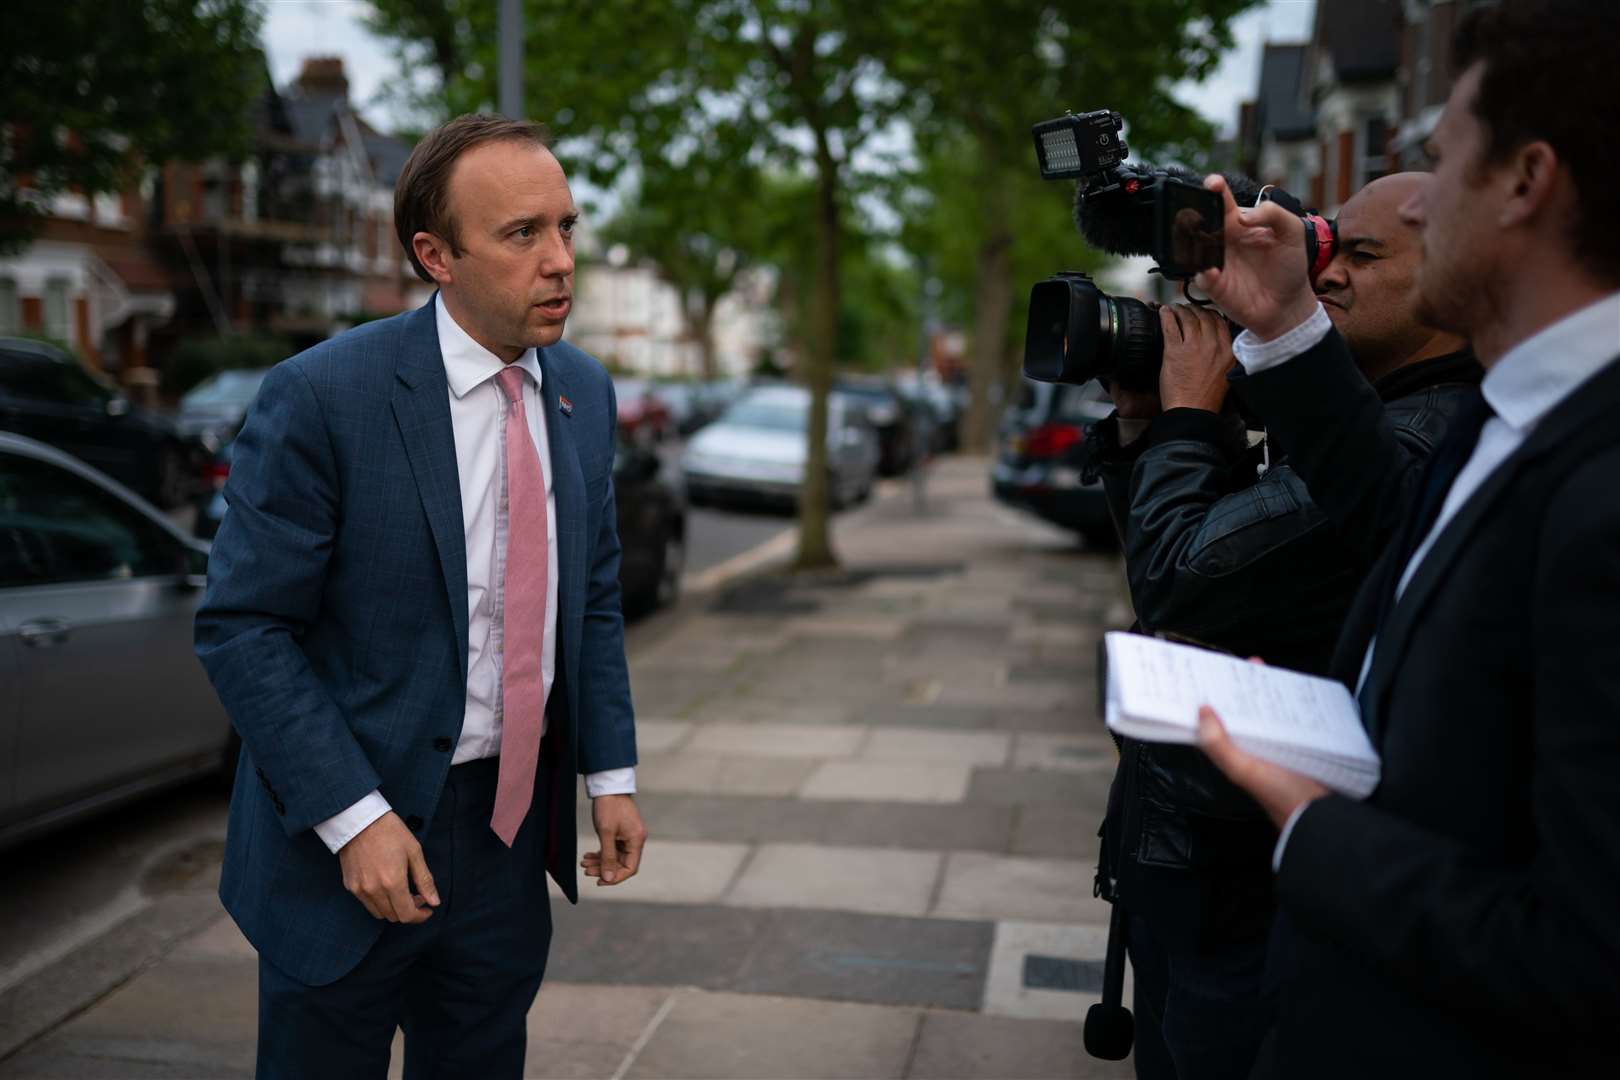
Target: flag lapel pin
565	406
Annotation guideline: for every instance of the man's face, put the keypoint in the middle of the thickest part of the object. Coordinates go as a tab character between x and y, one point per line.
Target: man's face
1453	215
1368	289
514	216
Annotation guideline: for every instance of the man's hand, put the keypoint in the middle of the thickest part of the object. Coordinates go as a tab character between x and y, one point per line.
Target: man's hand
383	866
1265	285
619	828
1278	791
1197	356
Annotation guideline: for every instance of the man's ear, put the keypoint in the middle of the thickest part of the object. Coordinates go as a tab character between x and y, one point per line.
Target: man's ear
434	255
1533	171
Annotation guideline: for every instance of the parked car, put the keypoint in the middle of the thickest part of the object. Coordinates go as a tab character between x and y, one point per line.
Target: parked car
1038	468
691	405
652	529
47	395
218	405
643	416
104	698
756	451
890	417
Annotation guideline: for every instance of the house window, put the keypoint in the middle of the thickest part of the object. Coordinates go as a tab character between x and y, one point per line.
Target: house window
1375	149
56	309
10	323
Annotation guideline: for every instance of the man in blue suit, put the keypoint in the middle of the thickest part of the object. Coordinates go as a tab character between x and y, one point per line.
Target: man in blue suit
413	619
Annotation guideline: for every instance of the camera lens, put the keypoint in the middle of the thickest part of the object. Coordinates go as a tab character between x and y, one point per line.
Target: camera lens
1077	333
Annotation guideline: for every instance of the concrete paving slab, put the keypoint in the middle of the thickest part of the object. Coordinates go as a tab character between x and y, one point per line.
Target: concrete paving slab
1006	992
754	1037
742	709
753	820
964	717
888	781
1049	829
1065	753
638	944
950	747
778	740
1027	787
660	736
955	1046
980	886
876	880
672	872
586	1031
877	959
221	941
705	774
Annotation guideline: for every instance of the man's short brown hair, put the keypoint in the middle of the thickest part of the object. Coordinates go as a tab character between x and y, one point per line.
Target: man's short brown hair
1549	74
422	193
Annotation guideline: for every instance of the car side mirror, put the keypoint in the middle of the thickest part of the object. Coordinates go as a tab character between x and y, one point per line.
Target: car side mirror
117	406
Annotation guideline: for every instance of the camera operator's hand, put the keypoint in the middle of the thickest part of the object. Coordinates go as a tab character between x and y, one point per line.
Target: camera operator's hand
1265	285
1197	356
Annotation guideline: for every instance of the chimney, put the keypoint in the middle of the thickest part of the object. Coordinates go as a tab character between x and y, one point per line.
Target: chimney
323	76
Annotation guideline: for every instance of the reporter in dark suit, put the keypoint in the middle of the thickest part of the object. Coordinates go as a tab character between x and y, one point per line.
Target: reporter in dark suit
413	620
1465	919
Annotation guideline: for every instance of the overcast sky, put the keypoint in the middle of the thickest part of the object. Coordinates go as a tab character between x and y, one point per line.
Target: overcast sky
294	29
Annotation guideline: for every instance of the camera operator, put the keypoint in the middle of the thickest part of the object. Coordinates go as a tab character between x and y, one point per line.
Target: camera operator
1226	551
1462	920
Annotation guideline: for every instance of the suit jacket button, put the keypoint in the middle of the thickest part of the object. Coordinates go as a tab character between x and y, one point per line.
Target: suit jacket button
414	822
442	744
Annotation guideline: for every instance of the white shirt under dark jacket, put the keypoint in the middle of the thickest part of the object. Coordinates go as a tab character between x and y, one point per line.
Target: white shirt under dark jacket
1523	386
478	416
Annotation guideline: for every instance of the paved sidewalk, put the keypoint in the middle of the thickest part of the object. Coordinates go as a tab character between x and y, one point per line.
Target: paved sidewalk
873	796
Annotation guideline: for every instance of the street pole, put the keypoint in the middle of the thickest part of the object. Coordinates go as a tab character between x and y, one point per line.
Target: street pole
921	432
510	36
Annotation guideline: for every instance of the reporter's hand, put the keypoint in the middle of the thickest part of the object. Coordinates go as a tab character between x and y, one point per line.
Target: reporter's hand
1279	791
1197	356
619	828
1265	285
380	867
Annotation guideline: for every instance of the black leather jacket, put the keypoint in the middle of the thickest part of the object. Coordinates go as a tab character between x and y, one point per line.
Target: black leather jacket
1224	553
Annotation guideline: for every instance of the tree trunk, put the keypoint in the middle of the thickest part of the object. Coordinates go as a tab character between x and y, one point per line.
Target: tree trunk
815	538
702	320
992	305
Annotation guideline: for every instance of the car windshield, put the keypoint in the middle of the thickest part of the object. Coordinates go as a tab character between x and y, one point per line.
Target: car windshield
226	388
768	415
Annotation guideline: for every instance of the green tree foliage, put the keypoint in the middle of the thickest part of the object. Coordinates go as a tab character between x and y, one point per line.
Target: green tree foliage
89	91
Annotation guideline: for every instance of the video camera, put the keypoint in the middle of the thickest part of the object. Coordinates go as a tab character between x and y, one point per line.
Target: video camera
1076	332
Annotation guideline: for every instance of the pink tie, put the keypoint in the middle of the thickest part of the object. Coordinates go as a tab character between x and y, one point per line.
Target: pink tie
523	623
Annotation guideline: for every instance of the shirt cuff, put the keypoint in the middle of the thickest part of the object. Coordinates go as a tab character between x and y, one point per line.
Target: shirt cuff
1282	838
611	782
339	829
1256	355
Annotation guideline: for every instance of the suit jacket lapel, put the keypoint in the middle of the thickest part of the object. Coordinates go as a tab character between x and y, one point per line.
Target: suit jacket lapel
1592	403
568	487
421	402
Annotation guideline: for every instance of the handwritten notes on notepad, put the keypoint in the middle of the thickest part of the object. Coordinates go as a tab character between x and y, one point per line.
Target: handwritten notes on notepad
1304	723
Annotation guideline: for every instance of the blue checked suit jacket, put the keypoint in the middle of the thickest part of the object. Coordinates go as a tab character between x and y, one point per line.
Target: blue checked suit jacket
335	623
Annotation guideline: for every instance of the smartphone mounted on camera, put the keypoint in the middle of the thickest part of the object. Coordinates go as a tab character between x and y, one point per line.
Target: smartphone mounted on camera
1189	228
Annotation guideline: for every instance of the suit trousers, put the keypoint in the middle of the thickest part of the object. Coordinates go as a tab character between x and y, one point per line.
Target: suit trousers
460	984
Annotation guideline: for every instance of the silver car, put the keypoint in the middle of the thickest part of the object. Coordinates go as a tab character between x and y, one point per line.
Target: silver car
756	450
101	697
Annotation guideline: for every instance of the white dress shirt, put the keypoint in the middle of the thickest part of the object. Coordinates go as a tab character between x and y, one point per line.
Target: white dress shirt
1522	387
478	416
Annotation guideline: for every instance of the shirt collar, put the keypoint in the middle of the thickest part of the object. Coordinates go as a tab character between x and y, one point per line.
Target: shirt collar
468	364
1545	368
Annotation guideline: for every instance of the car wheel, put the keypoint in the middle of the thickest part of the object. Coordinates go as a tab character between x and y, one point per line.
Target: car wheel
173	486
